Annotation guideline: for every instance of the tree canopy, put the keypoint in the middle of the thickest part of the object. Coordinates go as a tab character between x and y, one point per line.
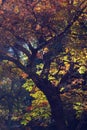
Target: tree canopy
46	41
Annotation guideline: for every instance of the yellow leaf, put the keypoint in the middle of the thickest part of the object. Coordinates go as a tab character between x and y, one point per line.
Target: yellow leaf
16	9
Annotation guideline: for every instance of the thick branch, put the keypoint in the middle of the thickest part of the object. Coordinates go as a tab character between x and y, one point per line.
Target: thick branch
19	39
15	61
22	49
46	69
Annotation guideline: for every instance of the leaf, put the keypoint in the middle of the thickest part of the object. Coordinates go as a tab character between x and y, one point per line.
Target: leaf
16	9
82	69
28	118
24	122
62	89
65	58
78	103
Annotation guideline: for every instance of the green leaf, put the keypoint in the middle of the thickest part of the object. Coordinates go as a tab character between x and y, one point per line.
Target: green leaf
78	103
24	122
62	89
28	118
82	69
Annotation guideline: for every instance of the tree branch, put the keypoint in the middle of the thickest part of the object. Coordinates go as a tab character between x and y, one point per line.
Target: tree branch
22	49
15	61
45	70
75	18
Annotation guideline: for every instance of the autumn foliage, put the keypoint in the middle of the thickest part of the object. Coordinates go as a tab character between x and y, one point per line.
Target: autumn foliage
44	44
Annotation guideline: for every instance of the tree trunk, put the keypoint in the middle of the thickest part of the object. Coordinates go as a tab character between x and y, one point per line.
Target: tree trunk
57	110
54	100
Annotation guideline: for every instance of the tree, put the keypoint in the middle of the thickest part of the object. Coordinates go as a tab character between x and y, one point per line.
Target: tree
38	114
14	100
40	32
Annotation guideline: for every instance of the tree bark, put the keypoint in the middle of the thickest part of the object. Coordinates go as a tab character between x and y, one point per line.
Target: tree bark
53	97
57	110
